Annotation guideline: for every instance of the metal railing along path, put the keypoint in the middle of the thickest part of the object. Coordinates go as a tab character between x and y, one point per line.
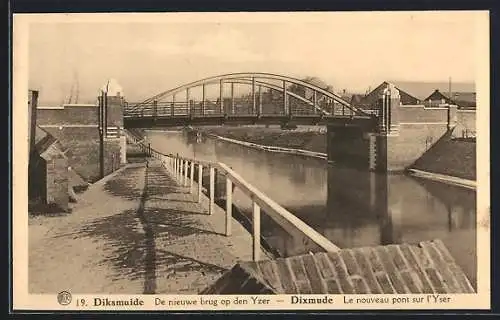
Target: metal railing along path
183	169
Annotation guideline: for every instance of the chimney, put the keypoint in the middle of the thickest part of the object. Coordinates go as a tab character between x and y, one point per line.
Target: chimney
32	105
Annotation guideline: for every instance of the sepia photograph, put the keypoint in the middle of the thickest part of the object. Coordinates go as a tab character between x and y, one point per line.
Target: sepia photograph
310	156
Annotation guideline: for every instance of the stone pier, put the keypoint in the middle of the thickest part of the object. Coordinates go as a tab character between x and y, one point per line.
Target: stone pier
403	134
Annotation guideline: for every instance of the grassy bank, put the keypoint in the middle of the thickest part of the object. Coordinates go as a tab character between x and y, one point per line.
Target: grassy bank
307	140
455	157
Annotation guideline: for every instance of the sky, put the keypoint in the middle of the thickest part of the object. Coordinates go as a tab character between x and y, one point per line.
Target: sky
150	54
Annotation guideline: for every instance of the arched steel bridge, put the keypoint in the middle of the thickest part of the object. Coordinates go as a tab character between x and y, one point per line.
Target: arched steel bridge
287	100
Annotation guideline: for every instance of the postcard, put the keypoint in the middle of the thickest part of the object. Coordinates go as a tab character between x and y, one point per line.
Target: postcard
251	161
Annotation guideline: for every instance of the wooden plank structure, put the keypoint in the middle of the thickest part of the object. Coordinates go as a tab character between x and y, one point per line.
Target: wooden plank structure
424	268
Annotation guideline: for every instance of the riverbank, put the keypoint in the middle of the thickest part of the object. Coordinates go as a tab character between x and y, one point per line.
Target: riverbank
464	183
453	158
310	140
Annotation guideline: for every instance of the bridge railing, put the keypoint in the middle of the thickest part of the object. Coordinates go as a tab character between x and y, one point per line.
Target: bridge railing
183	170
236	107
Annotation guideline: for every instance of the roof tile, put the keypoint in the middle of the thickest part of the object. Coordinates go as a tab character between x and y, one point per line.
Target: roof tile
350	262
301	278
333	286
437	281
360	286
385	283
465	284
366	270
391	270
424	268
420	272
325	266
411	280
286	276
442	266
269	271
342	274
317	284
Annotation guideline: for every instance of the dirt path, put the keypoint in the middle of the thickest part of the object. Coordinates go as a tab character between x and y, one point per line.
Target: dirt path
138	232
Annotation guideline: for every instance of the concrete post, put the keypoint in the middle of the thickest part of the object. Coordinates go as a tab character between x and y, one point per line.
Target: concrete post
32	107
232	97
452	116
200	181
260	100
191	177
173	104
388	104
395	104
256	232
382	111
372	151
254	104
123	149
229	205
211	190
186	172
203	100
221	96
285	99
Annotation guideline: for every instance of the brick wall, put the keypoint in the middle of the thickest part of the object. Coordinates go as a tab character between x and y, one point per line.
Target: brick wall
411	143
115	112
81	114
73	115
83	150
75	126
418	128
417	113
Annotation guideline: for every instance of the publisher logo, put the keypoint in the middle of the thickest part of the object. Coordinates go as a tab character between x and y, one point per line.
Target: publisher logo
64	298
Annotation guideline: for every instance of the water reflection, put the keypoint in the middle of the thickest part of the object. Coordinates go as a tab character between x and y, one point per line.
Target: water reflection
349	207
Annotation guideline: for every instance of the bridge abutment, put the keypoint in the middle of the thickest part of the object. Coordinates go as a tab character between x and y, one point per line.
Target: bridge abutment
403	134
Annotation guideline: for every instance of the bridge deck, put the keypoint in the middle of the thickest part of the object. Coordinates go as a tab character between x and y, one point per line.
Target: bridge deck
138	232
185	120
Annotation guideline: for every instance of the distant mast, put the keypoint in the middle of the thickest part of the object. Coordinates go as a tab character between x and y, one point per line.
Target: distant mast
449	89
75	90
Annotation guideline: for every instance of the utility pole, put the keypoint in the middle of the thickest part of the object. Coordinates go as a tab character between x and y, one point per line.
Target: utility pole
449	90
77	90
101	133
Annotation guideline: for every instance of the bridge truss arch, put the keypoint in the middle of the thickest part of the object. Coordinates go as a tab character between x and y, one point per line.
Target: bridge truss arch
319	102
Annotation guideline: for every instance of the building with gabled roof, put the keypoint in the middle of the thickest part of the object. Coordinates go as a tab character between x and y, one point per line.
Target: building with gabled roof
421	90
464	100
369	101
48	172
427	267
414	93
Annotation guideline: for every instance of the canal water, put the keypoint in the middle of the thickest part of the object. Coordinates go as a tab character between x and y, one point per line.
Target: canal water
349	207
